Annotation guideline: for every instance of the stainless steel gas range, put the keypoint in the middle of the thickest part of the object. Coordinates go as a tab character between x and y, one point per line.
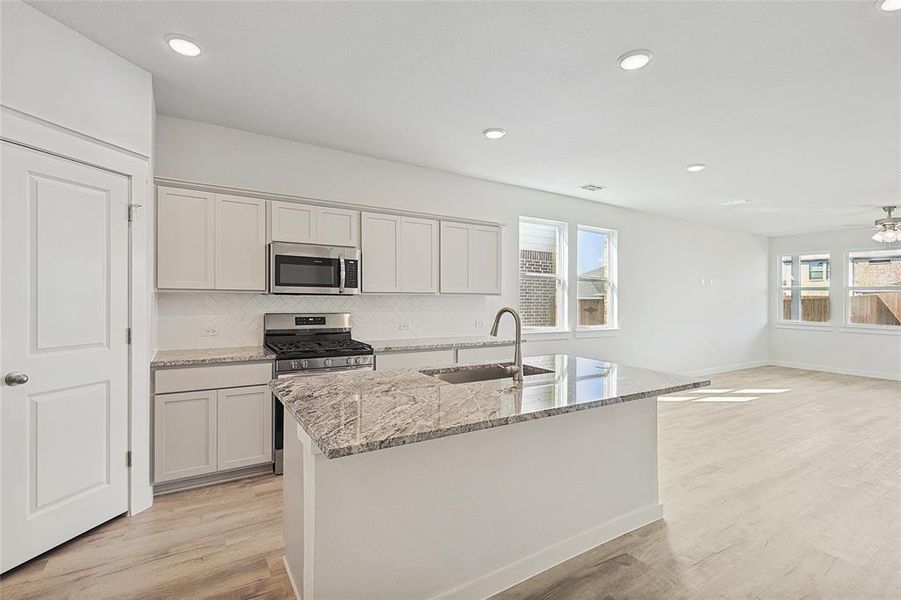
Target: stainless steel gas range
309	344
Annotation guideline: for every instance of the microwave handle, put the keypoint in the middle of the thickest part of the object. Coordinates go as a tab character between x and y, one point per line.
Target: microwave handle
343	274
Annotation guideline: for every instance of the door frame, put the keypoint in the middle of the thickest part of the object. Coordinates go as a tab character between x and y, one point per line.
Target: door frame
22	129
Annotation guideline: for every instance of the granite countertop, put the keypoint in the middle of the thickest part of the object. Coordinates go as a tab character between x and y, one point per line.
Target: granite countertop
352	413
439	343
210	356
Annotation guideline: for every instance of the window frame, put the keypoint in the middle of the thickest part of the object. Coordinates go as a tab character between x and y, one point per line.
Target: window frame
561	276
826	286
611	280
849	289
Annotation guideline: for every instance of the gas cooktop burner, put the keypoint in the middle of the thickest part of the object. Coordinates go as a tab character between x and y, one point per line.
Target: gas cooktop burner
317	348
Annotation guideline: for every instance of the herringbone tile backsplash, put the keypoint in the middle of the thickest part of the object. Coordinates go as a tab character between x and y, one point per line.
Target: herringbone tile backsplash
184	317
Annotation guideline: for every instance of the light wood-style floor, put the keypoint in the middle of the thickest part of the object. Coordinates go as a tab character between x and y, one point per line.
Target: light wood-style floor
767	495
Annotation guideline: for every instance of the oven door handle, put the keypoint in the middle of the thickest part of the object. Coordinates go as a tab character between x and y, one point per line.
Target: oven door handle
343	274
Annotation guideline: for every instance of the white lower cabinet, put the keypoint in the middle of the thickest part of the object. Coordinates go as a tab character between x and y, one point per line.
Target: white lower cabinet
206	431
244	427
184	435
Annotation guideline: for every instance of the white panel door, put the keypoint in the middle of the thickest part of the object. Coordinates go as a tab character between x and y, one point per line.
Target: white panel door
455	260
240	236
185	246
184	435
292	222
418	257
244	427
338	227
484	260
63	320
381	245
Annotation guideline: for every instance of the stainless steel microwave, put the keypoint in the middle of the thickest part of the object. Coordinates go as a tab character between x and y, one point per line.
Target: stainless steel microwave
307	269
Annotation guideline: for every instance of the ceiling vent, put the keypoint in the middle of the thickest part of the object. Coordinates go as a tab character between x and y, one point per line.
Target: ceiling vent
590	187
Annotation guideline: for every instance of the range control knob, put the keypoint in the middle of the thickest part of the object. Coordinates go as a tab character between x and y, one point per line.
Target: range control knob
304	364
328	362
359	360
350	361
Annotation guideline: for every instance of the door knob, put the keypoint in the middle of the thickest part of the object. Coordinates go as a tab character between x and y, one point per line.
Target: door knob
15	378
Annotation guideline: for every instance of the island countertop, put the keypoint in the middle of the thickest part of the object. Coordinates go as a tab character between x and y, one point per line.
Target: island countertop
355	412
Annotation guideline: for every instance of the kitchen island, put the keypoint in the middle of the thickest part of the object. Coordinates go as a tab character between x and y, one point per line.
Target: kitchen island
399	484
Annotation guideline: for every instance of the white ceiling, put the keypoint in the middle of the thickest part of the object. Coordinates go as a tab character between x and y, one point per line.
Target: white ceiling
794	105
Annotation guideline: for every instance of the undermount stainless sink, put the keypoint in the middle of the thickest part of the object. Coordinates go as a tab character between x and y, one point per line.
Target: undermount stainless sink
472	373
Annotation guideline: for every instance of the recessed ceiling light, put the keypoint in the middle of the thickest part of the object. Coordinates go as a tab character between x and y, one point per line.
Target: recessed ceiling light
590	187
636	59
889	5
737	202
695	167
183	45
494	133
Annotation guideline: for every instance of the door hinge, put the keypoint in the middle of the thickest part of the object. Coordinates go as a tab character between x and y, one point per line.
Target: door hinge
131	211
128	459
128	336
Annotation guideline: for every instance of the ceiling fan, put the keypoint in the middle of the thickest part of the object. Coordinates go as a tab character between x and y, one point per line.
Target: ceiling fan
888	229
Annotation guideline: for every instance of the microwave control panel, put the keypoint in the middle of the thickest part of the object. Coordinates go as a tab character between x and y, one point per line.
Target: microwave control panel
351	274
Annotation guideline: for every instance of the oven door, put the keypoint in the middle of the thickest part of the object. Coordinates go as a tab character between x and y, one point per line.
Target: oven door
305	269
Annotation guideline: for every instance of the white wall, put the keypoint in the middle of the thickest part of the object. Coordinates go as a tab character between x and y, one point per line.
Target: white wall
669	319
835	347
53	73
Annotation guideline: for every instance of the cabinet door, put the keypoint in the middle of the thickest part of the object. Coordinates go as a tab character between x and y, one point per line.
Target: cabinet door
338	227
244	426
292	222
184	435
381	245
240	243
418	259
454	257
484	260
185	246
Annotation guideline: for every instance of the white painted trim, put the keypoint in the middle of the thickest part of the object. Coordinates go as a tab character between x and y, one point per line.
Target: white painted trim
500	580
592	332
872	329
297	593
729	368
838	370
804	326
20	128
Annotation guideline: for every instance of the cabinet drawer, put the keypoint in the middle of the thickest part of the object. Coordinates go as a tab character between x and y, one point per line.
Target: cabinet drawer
414	360
213	377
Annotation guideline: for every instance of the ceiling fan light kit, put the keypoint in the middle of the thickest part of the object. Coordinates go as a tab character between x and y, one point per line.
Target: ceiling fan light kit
888	229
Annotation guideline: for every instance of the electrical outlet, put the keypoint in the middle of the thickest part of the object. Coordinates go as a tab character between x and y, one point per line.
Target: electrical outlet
404	326
209	332
480	324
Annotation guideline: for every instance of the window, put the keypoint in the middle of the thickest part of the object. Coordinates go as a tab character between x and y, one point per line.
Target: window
596	277
805	287
874	288
542	274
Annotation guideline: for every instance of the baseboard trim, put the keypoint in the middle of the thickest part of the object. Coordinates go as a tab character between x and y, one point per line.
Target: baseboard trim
291	578
837	370
179	485
728	368
510	575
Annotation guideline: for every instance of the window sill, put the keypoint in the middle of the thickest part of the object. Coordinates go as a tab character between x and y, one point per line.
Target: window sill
591	332
804	326
546	334
872	329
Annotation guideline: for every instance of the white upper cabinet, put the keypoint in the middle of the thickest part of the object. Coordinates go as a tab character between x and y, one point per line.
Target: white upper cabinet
185	239
338	227
240	243
400	254
418	255
292	222
381	247
470	258
308	224
209	241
